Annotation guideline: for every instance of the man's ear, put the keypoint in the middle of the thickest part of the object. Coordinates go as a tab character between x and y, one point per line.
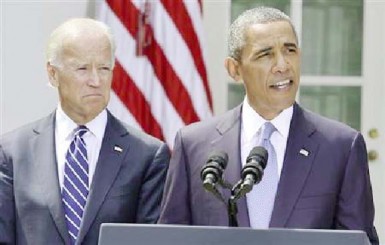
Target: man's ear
52	75
232	67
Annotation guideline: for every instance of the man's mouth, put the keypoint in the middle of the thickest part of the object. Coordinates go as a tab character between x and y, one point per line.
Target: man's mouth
92	95
282	84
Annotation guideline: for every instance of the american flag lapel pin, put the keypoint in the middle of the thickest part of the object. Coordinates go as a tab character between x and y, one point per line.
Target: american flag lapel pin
304	152
118	148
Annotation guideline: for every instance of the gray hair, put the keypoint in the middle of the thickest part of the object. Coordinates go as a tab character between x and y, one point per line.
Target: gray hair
74	27
258	15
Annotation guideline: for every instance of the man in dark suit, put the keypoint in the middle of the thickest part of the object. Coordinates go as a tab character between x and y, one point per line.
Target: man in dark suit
320	179
64	175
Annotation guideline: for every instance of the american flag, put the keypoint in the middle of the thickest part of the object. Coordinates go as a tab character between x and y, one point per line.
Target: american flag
160	80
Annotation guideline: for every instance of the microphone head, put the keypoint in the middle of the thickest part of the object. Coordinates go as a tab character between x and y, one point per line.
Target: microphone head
219	157
260	154
211	172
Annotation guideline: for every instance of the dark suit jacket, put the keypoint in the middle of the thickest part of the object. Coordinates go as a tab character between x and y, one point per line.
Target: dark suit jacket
328	189
127	186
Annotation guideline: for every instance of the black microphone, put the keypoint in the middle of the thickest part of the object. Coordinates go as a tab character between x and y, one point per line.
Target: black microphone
212	171
252	172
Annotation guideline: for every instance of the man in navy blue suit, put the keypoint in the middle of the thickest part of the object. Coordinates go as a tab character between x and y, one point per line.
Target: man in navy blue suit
126	167
323	178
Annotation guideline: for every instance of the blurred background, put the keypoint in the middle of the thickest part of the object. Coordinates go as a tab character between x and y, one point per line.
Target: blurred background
343	63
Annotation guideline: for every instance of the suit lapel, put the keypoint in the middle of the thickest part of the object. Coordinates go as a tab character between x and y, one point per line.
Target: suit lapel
229	141
107	168
296	167
45	171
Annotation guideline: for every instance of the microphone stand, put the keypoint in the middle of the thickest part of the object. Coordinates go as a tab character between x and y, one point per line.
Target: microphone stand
251	173
231	203
236	194
232	210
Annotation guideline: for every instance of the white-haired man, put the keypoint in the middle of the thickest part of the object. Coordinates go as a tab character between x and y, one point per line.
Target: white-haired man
64	175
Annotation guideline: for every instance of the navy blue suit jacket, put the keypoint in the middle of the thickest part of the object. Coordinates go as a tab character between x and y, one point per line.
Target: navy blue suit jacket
328	189
127	185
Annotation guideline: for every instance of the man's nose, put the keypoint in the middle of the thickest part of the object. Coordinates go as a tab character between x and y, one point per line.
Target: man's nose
281	64
94	79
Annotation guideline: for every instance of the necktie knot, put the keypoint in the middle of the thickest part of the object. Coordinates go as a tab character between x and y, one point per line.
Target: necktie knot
267	130
80	131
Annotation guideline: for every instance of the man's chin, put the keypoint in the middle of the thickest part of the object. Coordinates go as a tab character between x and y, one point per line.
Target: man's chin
94	101
94	109
283	105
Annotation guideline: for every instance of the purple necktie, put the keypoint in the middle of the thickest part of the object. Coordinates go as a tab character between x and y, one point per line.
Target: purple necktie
261	198
75	188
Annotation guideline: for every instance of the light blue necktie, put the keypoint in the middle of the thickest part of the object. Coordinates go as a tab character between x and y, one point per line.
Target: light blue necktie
75	188
263	194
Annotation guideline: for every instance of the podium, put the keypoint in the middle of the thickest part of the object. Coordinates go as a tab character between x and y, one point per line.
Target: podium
144	234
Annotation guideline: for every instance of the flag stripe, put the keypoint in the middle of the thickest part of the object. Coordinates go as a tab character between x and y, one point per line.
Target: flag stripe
140	71
160	79
173	87
182	20
180	58
195	13
118	109
135	101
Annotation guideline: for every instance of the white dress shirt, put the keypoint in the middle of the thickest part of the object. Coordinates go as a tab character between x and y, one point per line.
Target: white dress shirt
250	132
64	133
251	127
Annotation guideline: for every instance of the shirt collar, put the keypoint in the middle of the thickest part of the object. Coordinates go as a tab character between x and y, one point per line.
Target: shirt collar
65	126
252	121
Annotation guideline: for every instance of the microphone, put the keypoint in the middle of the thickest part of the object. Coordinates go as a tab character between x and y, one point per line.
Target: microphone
252	172
212	171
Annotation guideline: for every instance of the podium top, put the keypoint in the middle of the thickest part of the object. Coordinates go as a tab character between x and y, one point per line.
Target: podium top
141	234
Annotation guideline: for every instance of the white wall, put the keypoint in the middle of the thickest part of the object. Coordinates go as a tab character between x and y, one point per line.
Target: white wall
25	27
215	12
373	93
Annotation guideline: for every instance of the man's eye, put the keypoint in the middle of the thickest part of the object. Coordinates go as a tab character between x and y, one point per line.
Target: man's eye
292	50
263	55
81	68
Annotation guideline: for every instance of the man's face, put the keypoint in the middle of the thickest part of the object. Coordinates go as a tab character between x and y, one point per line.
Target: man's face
83	77
270	67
